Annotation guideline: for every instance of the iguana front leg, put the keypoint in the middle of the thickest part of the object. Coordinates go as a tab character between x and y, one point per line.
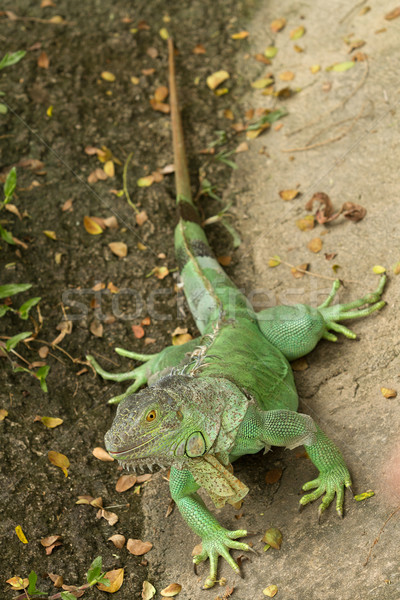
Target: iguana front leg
291	429
154	364
216	540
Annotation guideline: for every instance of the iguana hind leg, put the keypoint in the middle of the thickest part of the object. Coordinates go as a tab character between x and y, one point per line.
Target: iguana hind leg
154	365
296	330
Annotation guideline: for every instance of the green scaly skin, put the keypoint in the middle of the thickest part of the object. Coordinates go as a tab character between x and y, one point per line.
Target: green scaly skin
231	391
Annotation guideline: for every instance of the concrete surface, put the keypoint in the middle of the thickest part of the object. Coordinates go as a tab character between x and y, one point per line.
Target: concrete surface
341	387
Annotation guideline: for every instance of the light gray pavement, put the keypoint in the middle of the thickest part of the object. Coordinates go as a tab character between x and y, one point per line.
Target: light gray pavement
341	387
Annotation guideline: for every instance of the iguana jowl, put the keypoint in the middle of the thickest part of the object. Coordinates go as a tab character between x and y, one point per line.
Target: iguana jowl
229	392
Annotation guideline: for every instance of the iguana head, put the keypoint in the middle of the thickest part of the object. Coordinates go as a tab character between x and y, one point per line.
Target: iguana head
179	417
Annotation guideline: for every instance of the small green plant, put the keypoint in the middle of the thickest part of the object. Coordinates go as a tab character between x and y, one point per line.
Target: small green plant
94	576
9	188
8	348
10	58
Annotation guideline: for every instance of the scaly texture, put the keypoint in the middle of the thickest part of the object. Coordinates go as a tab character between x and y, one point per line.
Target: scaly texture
228	393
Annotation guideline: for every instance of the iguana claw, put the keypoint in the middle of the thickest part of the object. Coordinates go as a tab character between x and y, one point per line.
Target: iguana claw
330	483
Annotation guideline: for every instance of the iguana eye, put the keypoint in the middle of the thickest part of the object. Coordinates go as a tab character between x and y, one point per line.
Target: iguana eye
151	415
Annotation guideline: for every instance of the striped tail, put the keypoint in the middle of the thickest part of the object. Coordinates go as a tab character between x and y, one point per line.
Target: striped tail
209	291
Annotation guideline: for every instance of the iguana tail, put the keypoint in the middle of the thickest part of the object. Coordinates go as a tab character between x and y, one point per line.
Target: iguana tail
209	291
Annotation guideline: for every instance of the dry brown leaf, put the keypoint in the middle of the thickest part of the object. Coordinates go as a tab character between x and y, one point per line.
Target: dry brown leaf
146	321
56	579
300	364
273	475
161	93
161	272
43	60
286	76
160	106
120	249
288	194
137	547
225	261
199	49
306	224
148	590
14	210
111	222
43	351
198	549
18	583
102	454
110	517
388	393
49	540
59	460
393	14
143	478
141	217
113	288
125	482
299	271
171	590
118	540
273	537
149	340
277	25
91	226
157	176
215	79
315	245
116	579
138	331
325	208
152	52
263	59
243	147
353	212
96	328
270	590
67	205
3	414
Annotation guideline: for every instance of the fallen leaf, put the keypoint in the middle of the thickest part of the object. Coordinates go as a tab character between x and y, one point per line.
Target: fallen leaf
148	590
297	33
152	52
91	226
3	414
393	14
137	547
49	540
388	393
240	35
49	422
277	25
109	168
288	194
118	540
14	210
330	255
113	288
96	328
43	60
325	209
144	477
171	590
259	84
17	583
263	59
273	537
243	147
138	331
179	331
225	261
378	269
20	534
107	76
315	245
148	71
102	454
178	340
306	223
59	460
161	272
164	35
50	234
146	321
111	222
145	181
396	268
299	364
364	496
67	205
341	67
141	217
99	286
110	517
125	482
115	578
199	49
270	51
299	271
161	93
270	590
315	68
352	211
274	262
56	579
135	80
120	249
286	76
214	80
273	475
160	106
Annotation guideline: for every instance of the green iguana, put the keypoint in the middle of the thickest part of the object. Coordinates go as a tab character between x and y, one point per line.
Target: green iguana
228	392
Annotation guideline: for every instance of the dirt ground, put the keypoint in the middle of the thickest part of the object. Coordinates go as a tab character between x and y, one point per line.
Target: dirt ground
341	385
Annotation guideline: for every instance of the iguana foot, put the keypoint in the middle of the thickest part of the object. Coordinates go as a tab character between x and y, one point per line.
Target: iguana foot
218	544
341	312
139	375
329	483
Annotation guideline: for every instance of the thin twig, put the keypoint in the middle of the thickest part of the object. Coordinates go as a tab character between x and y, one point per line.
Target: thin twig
330	140
283	262
376	540
125	184
334	108
358	5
